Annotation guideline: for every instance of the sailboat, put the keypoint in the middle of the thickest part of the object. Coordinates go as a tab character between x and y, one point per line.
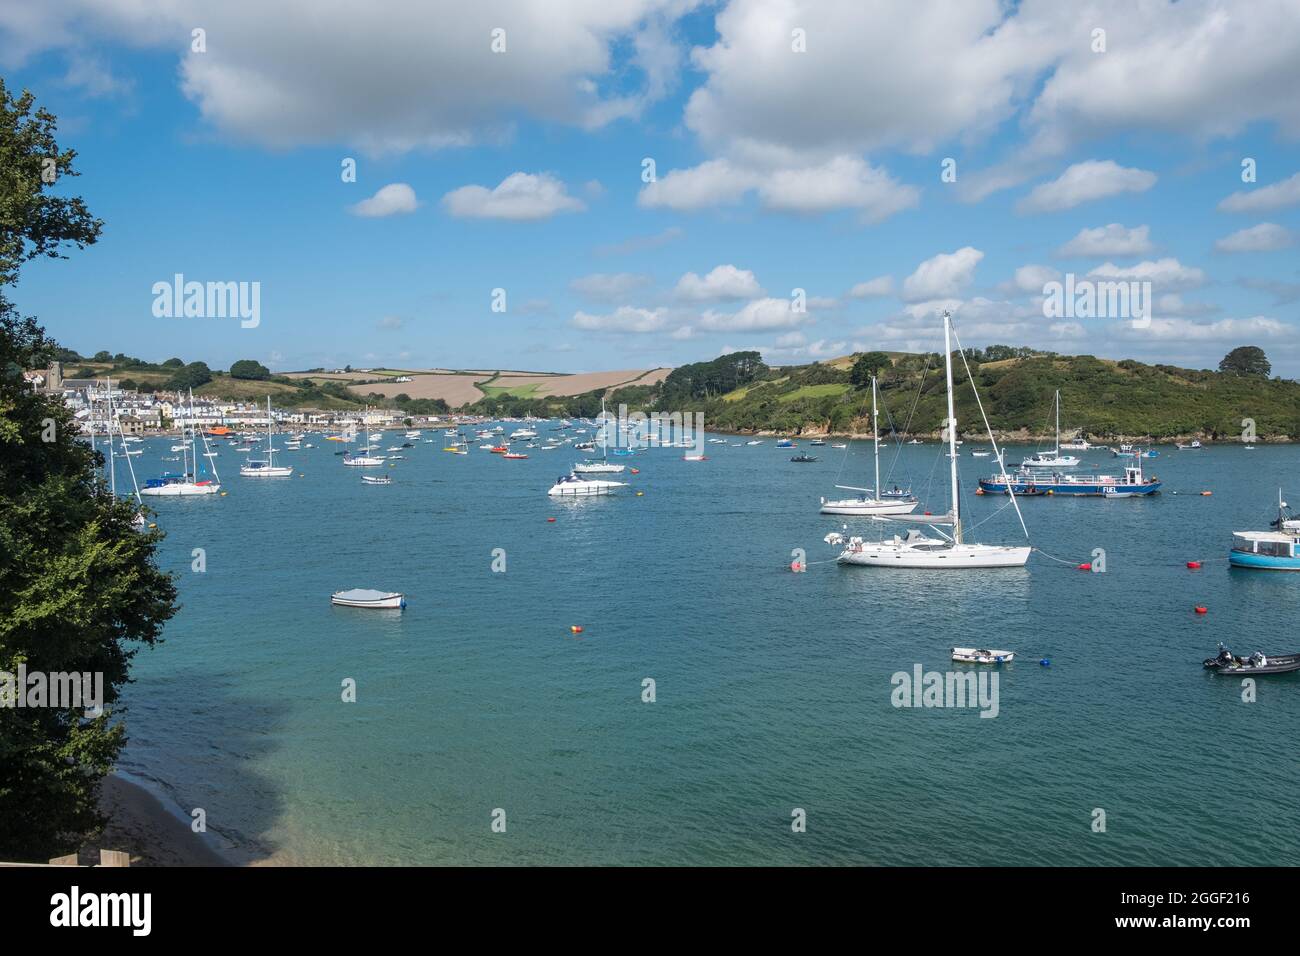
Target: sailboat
138	520
365	459
602	467
1054	458
875	505
949	550
186	484
266	468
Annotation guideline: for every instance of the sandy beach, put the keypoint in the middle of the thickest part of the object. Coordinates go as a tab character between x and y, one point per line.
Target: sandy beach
142	826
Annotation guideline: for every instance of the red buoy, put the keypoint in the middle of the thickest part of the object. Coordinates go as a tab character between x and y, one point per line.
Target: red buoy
796	566
1202	610
576	628
1085	567
636	471
550	520
1193	564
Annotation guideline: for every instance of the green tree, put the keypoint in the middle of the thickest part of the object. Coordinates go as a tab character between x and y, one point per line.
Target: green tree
867	365
191	376
248	368
1246	360
173	363
102	356
80	591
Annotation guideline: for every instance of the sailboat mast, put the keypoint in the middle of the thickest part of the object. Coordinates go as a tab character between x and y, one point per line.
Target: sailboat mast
875	433
1058	423
112	468
952	428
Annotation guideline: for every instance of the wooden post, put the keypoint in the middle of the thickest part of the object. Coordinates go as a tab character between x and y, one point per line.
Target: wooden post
69	860
114	858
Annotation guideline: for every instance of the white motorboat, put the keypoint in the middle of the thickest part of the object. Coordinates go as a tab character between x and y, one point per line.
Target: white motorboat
522	433
366	598
376	480
916	549
574	486
875	504
981	655
266	468
595	467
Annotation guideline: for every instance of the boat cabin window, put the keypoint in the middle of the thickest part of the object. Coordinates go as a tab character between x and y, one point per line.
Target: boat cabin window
1276	549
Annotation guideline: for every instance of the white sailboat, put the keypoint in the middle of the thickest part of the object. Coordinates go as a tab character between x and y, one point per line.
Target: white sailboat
266	468
602	466
875	505
365	459
1054	458
186	484
919	550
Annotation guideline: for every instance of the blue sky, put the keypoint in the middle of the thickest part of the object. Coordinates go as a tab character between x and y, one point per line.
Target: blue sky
776	169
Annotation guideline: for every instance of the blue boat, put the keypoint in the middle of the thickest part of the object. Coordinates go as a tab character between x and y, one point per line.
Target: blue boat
785	443
1268	550
1132	484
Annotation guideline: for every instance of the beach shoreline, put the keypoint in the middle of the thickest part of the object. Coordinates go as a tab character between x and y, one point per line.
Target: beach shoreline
139	824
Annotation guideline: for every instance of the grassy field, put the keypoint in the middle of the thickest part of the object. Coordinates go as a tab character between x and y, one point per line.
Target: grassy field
813	391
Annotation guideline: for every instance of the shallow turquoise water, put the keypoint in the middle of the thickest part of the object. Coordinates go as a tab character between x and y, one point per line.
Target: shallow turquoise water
773	688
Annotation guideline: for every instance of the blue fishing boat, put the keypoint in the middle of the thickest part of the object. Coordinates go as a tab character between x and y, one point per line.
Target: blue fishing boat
1026	481
1132	451
785	443
1269	550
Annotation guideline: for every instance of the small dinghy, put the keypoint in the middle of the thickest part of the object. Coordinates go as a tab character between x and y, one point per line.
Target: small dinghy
804	458
364	597
1257	663
981	655
376	480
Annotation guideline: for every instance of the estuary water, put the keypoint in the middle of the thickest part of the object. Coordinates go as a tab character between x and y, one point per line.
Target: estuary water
772	690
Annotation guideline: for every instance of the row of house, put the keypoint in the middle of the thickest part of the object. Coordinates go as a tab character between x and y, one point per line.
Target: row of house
143	412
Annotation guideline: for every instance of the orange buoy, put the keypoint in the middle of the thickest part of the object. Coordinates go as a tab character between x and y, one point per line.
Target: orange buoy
1193	564
576	628
979	491
1206	494
1201	609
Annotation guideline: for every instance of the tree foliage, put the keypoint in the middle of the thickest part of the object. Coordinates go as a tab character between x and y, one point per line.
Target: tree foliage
250	369
80	591
1246	360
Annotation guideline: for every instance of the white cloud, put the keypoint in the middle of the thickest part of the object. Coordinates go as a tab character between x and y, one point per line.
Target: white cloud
609	286
1110	240
1264	198
1086	182
623	319
759	315
390	323
842	182
1171	305
1167	273
1032	278
879	286
1265	237
1258	327
943	275
519	197
395	199
724	282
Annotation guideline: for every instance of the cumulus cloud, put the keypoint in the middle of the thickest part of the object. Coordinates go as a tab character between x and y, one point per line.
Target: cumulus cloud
879	286
519	197
1086	182
1110	240
1167	273
1032	278
723	282
1223	330
623	319
759	315
395	199
1265	237
943	275
609	286
1264	198
843	182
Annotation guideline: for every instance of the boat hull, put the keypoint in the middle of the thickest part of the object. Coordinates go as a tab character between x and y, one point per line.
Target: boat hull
887	555
1077	489
1262	562
584	489
180	491
867	507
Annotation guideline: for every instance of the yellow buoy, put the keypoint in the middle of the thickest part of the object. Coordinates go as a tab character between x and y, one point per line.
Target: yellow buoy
640	494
